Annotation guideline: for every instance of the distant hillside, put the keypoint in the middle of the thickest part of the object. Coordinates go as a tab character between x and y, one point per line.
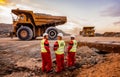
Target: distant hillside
5	29
98	34
111	34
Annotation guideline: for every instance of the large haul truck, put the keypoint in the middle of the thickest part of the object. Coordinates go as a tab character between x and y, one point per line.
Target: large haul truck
29	25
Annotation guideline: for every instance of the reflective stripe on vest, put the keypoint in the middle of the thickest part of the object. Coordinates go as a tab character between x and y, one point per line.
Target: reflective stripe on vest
61	44
43	46
74	47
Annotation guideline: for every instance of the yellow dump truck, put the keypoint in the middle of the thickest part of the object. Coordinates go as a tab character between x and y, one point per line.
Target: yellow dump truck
28	25
88	31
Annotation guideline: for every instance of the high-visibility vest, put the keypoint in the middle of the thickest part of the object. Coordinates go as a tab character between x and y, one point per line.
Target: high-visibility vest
43	46
61	48
74	47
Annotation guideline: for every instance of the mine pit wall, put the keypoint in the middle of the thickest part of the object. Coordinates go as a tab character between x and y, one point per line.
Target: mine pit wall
103	47
108	47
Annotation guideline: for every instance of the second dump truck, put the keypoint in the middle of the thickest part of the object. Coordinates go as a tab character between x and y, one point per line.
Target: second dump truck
88	31
29	25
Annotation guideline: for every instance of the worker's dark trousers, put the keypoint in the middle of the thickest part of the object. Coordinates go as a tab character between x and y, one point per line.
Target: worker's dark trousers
46	62
71	59
60	62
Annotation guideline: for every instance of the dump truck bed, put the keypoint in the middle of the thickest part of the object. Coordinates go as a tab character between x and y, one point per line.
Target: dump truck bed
43	19
40	19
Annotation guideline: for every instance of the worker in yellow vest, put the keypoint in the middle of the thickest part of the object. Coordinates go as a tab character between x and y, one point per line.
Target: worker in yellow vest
45	54
59	47
71	51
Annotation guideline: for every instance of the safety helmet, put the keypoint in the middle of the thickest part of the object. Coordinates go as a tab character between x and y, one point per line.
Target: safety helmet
72	36
45	34
60	34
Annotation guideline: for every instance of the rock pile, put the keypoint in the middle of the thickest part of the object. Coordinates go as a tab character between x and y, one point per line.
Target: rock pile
87	57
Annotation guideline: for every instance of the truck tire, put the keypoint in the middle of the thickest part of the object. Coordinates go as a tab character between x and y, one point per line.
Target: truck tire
52	33
24	33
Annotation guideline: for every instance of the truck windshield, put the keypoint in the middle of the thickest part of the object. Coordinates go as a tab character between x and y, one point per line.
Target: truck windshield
14	17
17	17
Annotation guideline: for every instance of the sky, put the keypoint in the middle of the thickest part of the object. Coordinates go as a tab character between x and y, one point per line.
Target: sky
103	14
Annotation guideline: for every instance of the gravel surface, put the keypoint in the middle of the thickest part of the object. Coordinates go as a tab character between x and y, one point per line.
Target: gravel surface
23	59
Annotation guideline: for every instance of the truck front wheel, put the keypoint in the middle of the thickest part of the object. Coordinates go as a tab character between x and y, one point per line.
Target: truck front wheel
24	33
52	33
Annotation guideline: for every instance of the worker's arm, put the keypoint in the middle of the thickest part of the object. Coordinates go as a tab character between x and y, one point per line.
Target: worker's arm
46	43
56	46
70	45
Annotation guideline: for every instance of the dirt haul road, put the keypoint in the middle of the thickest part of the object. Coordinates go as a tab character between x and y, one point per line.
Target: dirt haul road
23	59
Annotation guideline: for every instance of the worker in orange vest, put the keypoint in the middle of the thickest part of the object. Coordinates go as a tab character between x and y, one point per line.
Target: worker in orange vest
71	51
59	47
45	54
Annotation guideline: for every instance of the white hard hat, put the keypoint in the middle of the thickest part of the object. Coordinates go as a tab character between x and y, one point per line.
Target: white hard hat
72	36
60	34
45	34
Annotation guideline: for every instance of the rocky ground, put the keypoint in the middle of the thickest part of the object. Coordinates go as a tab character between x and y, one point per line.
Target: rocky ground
23	59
